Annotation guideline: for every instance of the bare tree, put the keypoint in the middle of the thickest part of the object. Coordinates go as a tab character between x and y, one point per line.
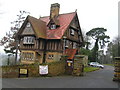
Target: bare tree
8	41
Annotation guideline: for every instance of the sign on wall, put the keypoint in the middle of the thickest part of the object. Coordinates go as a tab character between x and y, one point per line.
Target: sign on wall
43	70
23	71
69	63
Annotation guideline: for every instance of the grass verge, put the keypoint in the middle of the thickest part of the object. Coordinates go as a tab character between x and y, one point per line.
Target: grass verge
90	69
109	64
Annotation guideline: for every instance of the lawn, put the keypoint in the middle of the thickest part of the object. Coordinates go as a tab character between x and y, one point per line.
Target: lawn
90	69
109	64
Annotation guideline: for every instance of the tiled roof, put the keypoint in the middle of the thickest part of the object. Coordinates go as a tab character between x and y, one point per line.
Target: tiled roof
41	29
70	53
39	26
64	21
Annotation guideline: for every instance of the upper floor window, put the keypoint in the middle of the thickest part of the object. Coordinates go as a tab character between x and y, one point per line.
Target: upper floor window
74	45
66	43
72	31
28	25
28	40
53	26
79	33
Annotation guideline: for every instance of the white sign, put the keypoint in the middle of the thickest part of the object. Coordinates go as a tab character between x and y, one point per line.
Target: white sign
70	61
43	69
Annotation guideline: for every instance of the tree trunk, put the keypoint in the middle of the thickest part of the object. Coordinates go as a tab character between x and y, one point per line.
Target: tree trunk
95	51
16	53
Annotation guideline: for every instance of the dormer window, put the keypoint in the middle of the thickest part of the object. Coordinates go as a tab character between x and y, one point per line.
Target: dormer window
53	26
28	25
28	40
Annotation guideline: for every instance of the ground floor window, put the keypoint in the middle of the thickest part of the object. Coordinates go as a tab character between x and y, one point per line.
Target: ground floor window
27	56
74	45
50	56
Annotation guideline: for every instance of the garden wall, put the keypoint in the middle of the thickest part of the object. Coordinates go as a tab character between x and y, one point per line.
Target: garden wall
54	69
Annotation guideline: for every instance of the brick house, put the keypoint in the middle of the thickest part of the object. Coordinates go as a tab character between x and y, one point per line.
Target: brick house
46	38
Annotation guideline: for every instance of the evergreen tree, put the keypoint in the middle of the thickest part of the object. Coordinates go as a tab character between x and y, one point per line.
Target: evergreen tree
98	34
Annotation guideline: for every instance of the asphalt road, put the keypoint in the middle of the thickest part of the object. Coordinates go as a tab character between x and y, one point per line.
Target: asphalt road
97	79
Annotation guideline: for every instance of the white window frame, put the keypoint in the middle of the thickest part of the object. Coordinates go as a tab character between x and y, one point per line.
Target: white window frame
66	43
27	56
28	25
53	26
72	31
74	45
50	56
28	40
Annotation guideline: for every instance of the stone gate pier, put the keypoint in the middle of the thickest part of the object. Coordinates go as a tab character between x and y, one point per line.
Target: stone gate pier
117	69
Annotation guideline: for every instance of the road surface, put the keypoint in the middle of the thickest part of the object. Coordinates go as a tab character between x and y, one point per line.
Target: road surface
97	79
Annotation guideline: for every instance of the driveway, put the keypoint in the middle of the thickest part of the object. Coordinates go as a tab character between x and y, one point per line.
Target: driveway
97	79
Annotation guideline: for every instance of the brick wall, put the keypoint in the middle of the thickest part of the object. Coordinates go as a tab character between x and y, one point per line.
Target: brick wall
56	68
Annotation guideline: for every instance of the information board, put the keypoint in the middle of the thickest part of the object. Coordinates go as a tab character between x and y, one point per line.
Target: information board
23	71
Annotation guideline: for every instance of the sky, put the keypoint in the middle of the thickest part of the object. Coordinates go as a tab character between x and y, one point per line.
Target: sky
91	13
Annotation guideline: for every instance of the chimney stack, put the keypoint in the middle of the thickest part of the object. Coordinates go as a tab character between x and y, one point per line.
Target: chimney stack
54	11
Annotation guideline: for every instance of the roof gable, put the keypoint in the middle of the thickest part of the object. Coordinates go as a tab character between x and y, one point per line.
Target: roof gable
55	21
41	29
38	27
28	30
64	21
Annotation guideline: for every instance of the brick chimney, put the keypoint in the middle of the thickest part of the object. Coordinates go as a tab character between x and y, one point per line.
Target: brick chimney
54	11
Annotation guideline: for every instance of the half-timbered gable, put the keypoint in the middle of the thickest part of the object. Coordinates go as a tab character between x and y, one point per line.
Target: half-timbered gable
73	34
28	30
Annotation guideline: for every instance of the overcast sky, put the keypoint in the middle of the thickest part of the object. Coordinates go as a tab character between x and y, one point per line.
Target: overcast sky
91	13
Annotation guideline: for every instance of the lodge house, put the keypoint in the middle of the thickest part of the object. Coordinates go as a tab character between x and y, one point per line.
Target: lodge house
45	39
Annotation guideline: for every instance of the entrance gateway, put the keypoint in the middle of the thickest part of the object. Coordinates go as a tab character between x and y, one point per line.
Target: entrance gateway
74	63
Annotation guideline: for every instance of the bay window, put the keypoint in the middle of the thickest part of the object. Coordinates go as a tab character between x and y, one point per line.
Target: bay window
27	56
